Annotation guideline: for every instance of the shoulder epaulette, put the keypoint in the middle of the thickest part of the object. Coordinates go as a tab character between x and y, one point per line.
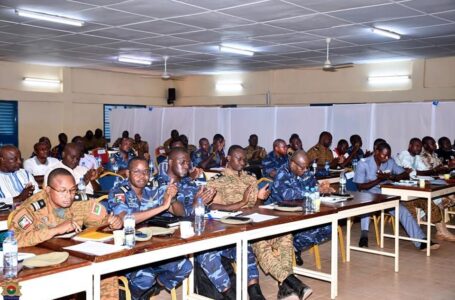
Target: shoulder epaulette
217	176
37	205
153	183
125	188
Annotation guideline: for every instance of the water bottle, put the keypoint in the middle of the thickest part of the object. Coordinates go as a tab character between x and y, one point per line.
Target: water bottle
354	164
327	168
99	161
81	187
316	199
151	167
10	256
310	208
314	167
199	212
307	200
342	189
129	227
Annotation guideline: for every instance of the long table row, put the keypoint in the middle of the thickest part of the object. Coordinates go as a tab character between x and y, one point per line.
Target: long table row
82	272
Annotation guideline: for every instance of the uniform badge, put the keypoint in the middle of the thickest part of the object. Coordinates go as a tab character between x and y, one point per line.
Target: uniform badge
24	222
37	205
11	290
119	198
96	209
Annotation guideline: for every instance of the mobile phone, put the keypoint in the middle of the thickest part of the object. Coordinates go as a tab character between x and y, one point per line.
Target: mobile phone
239	218
141	235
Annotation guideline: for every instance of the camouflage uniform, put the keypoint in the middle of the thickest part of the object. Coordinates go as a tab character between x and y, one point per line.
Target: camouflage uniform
272	162
250	152
33	219
275	256
122	164
321	154
230	188
198	156
141	148
171	273
288	186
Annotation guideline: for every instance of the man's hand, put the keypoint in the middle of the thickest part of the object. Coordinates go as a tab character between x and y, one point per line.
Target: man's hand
247	194
195	173
91	174
206	194
170	193
26	192
383	175
115	222
341	159
325	188
264	192
67	226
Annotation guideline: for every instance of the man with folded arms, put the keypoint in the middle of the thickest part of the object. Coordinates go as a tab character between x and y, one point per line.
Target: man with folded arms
147	198
291	183
321	152
16	184
373	171
275	159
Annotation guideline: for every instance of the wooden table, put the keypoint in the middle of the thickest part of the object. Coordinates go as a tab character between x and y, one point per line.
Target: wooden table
409	193
285	223
333	177
70	277
366	203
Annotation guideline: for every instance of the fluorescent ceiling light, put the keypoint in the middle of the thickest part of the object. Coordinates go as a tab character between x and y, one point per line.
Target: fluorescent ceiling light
229	86
386	33
42	81
229	49
135	60
389	79
48	17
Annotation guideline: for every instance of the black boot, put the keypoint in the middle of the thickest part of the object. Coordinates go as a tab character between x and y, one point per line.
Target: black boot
284	291
229	294
302	290
363	242
255	293
155	290
298	258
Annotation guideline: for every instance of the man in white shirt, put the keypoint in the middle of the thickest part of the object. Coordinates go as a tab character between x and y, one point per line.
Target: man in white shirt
70	161
87	160
411	159
16	184
39	164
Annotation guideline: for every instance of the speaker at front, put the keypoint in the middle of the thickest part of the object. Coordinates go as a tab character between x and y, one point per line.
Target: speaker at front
171	96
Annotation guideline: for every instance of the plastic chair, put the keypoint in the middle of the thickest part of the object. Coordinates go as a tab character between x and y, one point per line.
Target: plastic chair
107	180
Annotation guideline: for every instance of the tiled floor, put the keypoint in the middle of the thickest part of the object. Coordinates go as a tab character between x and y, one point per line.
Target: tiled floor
369	276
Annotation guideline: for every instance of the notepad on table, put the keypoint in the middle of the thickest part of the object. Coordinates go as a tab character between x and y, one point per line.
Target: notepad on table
95	248
256	217
218	214
93	236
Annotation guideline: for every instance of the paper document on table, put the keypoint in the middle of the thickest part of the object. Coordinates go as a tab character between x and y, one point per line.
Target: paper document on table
332	200
218	214
95	248
425	177
256	217
268	206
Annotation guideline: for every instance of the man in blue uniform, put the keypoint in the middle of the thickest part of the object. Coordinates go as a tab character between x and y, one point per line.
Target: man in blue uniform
370	173
275	159
122	157
202	154
147	199
290	183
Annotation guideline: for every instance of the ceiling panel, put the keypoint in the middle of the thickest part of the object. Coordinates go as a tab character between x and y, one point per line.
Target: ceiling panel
111	16
157	8
122	33
332	5
216	4
432	6
252	30
308	22
163	27
376	13
211	20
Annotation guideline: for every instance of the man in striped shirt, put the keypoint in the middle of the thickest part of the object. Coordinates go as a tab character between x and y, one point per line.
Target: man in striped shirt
16	184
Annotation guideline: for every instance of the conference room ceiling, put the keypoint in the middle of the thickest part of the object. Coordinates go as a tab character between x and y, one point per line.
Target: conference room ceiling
283	34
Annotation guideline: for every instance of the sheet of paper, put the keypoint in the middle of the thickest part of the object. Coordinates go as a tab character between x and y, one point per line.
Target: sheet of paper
95	248
268	206
256	217
218	214
425	177
66	235
333	199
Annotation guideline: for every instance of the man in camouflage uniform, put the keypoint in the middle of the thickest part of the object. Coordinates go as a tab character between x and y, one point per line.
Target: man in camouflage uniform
141	147
147	199
295	143
254	153
290	184
52	212
321	152
275	159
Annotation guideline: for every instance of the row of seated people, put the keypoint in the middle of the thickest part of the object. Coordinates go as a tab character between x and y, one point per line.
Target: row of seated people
174	191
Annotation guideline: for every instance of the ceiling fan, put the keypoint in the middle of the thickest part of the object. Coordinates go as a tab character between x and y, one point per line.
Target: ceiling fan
165	75
328	66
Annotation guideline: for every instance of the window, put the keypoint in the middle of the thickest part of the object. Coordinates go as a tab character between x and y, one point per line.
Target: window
8	123
107	116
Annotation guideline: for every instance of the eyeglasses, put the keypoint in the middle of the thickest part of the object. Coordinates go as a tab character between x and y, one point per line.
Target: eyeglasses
141	172
64	192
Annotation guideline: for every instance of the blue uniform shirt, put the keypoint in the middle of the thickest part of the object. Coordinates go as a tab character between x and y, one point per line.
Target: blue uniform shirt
198	156
288	186
122	164
367	171
272	162
360	154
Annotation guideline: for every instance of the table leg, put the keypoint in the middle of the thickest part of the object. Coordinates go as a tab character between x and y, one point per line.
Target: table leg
382	230
334	260
348	239
397	239
96	285
429	226
242	270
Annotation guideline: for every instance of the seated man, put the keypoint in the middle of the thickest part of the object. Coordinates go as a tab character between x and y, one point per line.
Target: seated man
321	152
237	189
125	135
16	184
141	147
52	212
100	141
355	150
202	154
39	164
174	135
216	158
373	171
254	153
70	161
189	147
289	184
87	160
57	151
295	143
445	152
147	199
164	165
275	159
122	157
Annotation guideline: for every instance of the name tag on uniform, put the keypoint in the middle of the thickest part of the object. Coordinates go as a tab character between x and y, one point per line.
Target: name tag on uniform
101	151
